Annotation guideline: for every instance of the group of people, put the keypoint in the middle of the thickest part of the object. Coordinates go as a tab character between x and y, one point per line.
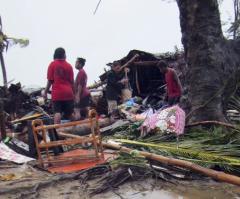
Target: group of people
71	98
117	81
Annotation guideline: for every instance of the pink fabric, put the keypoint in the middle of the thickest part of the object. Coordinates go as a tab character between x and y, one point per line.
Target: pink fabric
171	119
150	122
180	120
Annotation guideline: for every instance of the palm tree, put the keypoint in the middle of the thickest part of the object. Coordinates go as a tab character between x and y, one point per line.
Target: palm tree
5	41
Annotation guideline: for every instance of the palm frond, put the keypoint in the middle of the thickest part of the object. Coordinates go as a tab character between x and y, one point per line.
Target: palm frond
199	155
21	42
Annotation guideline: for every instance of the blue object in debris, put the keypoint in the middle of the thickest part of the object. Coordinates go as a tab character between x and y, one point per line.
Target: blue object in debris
130	102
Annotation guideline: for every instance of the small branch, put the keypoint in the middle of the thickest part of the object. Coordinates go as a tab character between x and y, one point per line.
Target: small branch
97	7
211	122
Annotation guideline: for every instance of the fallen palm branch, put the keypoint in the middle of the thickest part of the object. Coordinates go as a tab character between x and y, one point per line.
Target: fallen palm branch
186	153
234	102
221	176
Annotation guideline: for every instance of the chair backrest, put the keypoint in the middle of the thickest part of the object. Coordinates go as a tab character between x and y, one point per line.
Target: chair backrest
41	130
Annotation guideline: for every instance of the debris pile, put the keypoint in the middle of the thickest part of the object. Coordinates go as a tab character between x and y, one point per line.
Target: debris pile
145	78
149	139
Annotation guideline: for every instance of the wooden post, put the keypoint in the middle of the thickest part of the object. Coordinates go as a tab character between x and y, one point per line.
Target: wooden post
2	121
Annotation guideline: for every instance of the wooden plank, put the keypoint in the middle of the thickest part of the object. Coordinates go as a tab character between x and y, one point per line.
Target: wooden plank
56	126
27	118
65	142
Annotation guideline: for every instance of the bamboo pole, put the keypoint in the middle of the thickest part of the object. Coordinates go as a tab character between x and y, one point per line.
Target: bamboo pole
221	176
200	154
85	122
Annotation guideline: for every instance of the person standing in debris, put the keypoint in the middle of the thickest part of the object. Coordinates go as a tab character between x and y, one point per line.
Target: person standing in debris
174	87
60	78
116	82
82	94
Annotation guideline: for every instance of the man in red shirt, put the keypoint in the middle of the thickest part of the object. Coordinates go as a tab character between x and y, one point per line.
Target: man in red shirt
174	87
60	78
82	94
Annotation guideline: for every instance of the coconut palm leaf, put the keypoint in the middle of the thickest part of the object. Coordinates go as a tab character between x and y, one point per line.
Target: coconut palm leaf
21	42
200	155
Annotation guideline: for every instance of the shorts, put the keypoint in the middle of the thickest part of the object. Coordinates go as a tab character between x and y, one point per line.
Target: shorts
84	102
65	107
112	106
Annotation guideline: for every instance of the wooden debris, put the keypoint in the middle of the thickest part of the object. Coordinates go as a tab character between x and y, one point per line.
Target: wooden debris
221	176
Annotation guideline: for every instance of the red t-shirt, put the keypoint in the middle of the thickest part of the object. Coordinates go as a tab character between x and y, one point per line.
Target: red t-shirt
173	89
61	73
81	80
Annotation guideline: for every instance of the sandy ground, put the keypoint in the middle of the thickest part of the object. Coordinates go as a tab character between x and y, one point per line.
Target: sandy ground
14	180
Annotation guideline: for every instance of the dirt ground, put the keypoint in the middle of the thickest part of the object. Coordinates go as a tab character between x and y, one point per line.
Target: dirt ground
26	182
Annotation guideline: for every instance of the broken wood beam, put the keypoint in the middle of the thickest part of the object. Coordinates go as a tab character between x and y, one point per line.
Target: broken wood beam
96	85
145	63
84	129
78	140
221	176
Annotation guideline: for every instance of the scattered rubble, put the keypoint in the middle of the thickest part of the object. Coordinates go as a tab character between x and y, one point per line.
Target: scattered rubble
145	125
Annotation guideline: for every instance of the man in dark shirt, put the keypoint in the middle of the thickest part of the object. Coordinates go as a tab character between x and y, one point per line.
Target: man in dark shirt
116	81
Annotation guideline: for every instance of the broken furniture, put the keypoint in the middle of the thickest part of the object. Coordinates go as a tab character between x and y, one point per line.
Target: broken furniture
46	160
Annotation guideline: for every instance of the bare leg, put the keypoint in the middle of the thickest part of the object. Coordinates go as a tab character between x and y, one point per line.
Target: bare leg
77	114
57	118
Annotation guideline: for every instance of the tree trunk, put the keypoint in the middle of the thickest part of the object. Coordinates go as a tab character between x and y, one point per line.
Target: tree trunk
3	70
212	60
2	122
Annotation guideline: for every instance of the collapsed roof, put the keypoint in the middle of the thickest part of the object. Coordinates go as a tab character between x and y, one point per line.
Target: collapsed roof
144	76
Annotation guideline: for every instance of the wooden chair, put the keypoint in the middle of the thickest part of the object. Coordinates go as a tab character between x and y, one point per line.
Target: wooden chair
41	130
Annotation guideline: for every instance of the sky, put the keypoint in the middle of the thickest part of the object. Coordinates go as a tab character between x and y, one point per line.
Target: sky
118	27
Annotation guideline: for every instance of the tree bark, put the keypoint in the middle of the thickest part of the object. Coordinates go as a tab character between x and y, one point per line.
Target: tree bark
4	73
236	17
213	62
